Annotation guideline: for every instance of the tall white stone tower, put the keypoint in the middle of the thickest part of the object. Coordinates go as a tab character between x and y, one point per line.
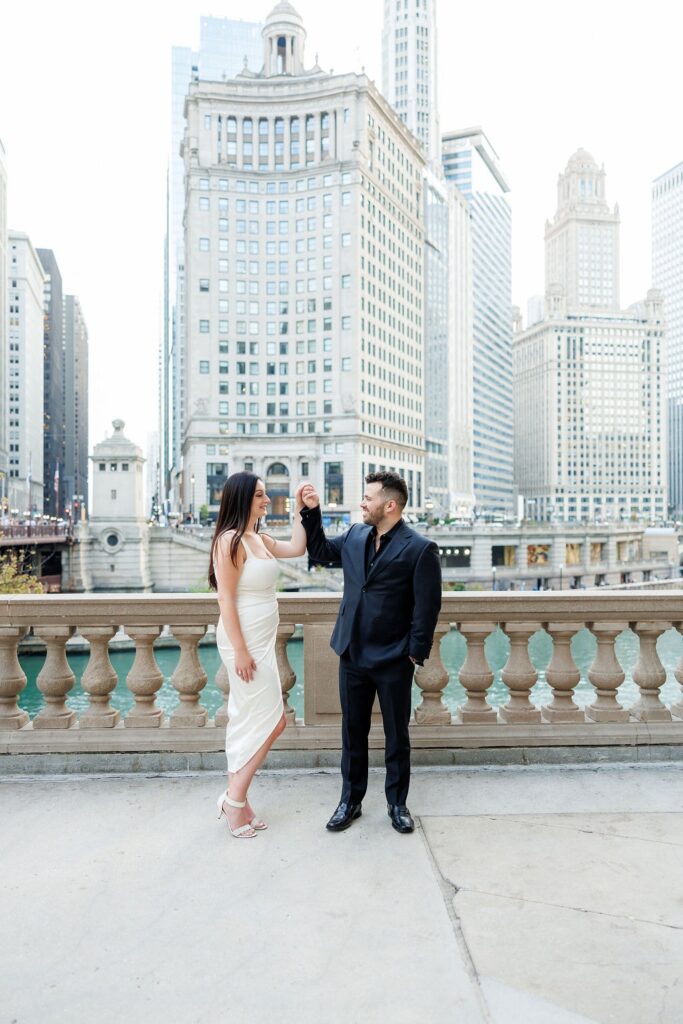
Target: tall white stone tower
409	69
304	271
118	531
589	379
582	242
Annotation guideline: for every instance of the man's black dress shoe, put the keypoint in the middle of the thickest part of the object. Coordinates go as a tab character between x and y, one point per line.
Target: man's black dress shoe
343	816
401	818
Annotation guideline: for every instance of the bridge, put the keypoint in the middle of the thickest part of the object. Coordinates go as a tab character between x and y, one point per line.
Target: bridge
543	883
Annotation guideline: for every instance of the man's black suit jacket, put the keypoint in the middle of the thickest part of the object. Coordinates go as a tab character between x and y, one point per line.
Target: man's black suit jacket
392	612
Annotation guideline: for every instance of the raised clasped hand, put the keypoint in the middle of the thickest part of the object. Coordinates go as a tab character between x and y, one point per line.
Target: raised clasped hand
309	496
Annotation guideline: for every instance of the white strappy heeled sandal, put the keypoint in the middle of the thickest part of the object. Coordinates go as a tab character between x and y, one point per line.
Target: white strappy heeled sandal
242	831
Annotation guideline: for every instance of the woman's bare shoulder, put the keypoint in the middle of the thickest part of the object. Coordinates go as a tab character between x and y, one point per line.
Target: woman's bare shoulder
223	542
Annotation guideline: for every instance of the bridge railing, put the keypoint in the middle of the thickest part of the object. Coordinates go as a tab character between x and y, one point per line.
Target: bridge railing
560	721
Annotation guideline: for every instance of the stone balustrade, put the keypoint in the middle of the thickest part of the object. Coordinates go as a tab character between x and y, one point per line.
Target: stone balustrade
519	723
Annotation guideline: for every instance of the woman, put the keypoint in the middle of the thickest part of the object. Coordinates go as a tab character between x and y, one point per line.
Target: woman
243	570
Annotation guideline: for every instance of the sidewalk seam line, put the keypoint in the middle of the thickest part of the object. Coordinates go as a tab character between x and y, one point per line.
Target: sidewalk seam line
448	892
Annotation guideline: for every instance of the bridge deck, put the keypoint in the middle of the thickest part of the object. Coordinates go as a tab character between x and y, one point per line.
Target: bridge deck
543	895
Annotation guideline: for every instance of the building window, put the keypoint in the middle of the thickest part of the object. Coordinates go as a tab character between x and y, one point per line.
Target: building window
334	483
204	366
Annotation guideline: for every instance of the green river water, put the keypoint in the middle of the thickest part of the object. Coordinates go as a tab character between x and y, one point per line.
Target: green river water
669	647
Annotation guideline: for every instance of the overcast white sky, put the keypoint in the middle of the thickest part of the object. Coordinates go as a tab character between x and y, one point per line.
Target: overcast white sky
85	121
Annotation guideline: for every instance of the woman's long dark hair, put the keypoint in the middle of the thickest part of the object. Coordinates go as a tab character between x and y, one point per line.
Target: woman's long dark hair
233	514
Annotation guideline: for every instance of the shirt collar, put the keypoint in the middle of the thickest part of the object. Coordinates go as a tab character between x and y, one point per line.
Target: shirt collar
386	537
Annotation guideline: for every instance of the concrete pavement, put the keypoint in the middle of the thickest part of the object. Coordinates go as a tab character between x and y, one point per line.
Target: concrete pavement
531	895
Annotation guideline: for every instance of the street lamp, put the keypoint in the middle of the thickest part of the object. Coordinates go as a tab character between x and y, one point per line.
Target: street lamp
192	500
493	574
561	568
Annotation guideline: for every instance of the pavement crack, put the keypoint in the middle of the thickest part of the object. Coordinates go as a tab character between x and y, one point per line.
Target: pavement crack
590	831
448	892
564	906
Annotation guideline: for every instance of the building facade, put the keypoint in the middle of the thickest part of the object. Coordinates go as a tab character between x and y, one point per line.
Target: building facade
582	241
471	164
448	350
115	541
667	275
304	279
225	46
409	69
76	459
589	379
25	287
4	337
53	383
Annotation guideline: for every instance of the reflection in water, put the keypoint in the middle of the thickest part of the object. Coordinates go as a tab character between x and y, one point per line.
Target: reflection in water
453	649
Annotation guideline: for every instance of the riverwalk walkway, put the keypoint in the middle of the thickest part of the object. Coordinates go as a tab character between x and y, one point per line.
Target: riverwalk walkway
527	895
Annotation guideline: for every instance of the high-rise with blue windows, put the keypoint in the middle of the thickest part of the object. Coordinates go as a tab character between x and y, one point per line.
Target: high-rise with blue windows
667	275
226	46
471	163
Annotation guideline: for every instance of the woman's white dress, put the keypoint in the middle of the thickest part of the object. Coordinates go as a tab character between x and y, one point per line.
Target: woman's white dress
254	708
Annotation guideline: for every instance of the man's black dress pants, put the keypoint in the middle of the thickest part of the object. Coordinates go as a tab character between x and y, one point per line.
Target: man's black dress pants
392	682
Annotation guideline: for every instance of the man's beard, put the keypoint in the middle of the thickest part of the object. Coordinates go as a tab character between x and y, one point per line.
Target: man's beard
373	518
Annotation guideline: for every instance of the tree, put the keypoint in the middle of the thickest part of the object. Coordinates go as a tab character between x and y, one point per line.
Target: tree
13	580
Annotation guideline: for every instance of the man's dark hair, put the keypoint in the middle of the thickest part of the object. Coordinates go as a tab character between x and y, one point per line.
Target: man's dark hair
393	485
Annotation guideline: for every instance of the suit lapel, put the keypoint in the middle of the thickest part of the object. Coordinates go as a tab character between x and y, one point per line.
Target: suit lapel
390	551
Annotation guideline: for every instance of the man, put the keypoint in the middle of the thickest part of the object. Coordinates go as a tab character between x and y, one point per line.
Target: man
385	626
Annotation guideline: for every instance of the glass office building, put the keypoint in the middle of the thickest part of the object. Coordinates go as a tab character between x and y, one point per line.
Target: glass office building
471	163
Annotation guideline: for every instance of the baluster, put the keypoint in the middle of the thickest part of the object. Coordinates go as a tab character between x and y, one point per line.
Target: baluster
562	675
223	684
677	708
475	674
144	679
189	678
287	673
99	680
432	679
519	675
606	675
650	674
12	678
55	680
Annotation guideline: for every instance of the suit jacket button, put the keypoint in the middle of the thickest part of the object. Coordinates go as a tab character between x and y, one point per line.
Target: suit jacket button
363	589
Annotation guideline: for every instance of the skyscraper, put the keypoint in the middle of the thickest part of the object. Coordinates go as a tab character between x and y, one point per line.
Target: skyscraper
53	384
667	275
582	241
448	349
471	163
589	382
304	282
75	488
225	46
409	84
4	465
25	283
409	69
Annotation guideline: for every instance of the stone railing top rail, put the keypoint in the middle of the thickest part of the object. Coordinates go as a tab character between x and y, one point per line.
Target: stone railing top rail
200	609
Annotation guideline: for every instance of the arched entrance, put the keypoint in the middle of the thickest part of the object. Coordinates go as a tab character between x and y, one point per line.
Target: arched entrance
277	486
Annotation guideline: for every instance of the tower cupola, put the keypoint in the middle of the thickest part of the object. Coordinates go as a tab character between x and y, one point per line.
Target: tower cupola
284	37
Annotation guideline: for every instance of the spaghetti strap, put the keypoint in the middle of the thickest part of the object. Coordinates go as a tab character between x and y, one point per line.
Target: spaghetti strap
246	546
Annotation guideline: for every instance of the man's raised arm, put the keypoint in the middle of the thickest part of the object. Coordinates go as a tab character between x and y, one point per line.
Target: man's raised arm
320	550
